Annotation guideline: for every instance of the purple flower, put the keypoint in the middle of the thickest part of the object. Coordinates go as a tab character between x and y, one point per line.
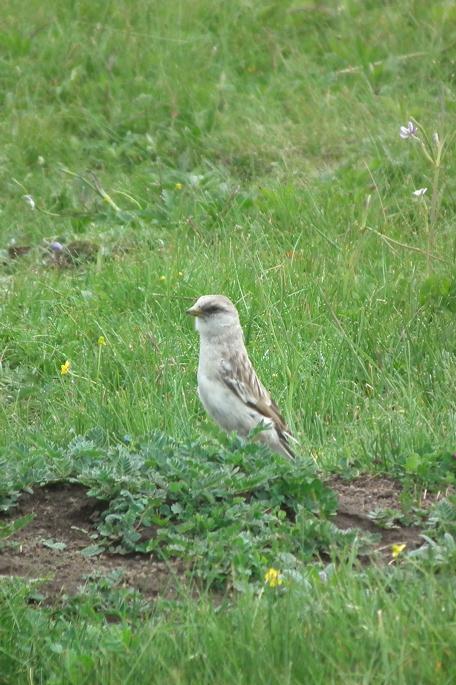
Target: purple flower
56	246
408	131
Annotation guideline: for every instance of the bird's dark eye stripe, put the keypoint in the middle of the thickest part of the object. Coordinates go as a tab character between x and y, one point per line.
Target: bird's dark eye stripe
213	309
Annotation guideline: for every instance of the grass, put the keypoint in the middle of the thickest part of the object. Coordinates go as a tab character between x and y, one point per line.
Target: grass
273	210
368	628
251	149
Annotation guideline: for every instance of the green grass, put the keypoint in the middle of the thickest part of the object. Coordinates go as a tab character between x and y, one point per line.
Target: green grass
252	149
367	628
288	150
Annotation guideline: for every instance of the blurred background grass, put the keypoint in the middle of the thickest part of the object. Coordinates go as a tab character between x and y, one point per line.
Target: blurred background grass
252	149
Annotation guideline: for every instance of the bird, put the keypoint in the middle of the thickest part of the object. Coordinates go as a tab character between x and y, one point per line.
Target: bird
228	386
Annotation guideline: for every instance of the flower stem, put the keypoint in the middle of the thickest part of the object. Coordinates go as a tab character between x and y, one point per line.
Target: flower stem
433	212
98	363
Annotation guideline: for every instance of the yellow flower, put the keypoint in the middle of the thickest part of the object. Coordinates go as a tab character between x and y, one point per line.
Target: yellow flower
65	368
178	186
162	278
273	578
397	549
180	273
101	341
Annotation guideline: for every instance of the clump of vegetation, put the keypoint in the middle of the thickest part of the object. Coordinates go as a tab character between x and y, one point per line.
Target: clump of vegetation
229	511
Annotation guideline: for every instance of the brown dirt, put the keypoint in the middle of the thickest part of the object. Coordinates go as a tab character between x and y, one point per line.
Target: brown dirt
367	493
64	513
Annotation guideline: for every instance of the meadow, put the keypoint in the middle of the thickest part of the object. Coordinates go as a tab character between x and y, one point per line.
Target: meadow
155	151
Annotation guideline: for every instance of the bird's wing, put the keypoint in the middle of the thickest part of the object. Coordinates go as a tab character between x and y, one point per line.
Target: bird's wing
239	375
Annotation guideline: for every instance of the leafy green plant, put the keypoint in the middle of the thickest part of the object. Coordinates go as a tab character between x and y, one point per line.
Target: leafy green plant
442	517
11	527
395	518
438	555
431	468
105	598
228	510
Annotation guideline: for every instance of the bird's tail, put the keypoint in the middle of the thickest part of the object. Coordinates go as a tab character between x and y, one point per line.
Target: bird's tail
284	442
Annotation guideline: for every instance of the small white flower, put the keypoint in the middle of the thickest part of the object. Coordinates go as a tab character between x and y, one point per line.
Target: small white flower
420	192
435	138
408	131
29	200
195	179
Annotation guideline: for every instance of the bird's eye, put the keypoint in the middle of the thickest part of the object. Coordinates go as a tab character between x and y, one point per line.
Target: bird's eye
213	309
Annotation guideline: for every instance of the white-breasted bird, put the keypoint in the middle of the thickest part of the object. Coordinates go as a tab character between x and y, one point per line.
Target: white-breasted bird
228	386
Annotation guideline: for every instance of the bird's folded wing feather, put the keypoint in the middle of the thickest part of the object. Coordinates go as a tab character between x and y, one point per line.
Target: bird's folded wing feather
239	375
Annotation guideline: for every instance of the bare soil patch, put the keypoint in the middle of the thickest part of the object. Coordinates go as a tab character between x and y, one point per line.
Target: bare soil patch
362	495
64	513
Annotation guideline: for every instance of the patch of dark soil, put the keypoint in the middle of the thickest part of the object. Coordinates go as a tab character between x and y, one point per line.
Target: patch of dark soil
64	513
367	493
15	251
411	536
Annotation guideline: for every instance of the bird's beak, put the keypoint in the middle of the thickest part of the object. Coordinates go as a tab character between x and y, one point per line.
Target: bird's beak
194	311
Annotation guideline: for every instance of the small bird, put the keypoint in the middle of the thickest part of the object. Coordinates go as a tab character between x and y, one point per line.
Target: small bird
228	386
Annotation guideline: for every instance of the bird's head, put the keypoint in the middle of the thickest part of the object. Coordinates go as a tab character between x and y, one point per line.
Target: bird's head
214	315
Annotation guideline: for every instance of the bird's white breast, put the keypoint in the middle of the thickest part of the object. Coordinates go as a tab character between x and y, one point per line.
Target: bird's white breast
223	405
220	403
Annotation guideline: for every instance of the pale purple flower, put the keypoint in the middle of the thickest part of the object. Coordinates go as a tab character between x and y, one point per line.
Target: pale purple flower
408	131
420	192
29	200
56	246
